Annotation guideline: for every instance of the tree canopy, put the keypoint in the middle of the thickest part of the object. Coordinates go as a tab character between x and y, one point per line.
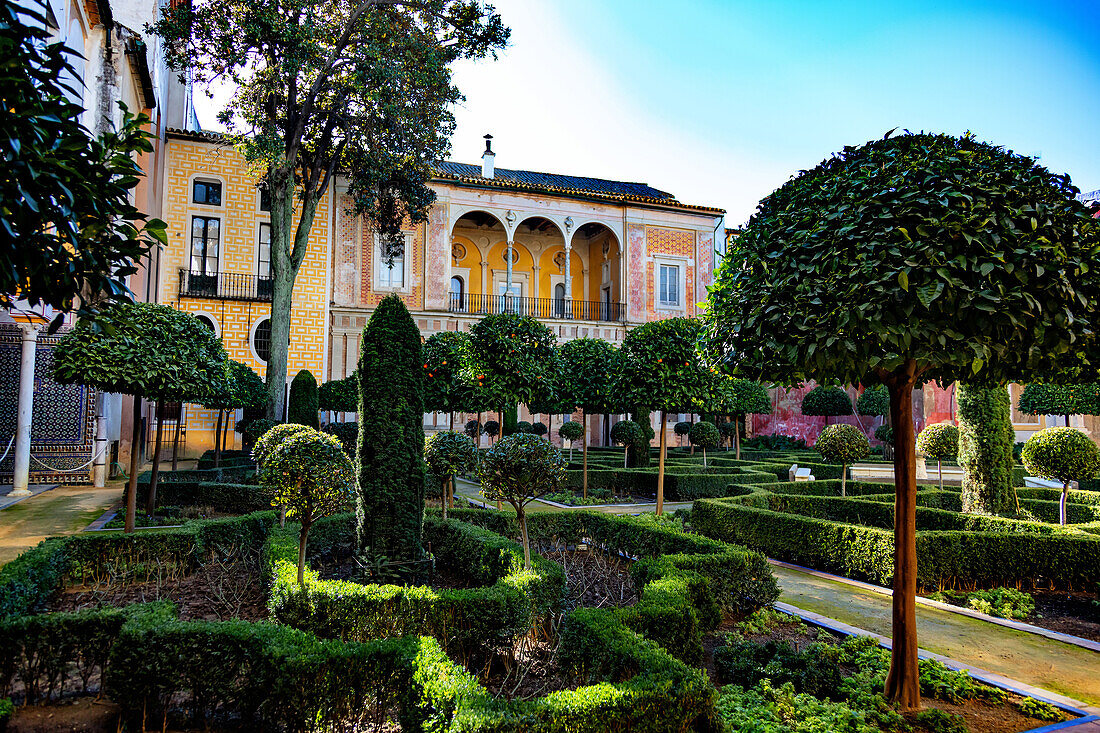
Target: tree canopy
362	87
445	388
874	401
588	374
660	367
69	233
303	405
1060	399
827	401
509	358
339	395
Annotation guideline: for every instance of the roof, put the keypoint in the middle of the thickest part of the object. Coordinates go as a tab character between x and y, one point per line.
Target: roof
552	183
557	183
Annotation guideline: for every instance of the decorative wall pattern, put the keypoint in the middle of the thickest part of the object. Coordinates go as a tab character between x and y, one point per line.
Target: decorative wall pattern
63	422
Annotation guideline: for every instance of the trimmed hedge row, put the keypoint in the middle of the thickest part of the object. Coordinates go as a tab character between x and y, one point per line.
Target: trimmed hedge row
682	483
945	559
229	459
28	582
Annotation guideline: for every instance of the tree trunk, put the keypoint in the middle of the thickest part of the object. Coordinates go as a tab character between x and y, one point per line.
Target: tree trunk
584	424
704	458
844	480
626	454
1062	504
218	441
151	502
302	555
131	490
521	517
452	422
661	470
1067	420
176	440
451	494
443	491
500	432
737	438
903	680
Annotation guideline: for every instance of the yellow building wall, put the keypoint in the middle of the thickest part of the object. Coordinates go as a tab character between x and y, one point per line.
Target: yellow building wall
241	217
550	268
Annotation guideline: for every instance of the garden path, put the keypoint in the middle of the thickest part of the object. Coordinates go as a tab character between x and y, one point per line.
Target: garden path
1029	658
472	490
63	510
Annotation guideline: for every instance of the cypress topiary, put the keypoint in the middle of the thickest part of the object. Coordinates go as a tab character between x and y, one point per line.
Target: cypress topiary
389	508
985	448
303	405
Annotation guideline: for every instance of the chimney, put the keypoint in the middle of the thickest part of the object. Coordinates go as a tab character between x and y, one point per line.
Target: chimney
488	159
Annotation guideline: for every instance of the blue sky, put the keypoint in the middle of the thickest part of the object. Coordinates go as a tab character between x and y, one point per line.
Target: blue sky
720	102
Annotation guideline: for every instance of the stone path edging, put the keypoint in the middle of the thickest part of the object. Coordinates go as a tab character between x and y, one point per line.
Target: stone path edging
1009	623
6	500
1062	702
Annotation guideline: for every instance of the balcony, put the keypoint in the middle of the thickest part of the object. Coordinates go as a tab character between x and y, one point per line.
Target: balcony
481	304
225	286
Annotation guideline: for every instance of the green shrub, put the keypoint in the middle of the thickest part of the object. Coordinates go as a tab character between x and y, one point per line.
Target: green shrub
253	429
1061	454
985	448
938	721
339	395
302	406
814	670
571	431
1038	709
269	441
885	433
681	429
999	602
827	401
30	580
7	709
874	401
346	432
768	709
843	444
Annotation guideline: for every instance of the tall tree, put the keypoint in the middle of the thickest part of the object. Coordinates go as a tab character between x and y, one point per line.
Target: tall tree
588	374
660	368
69	233
739	398
146	350
445	388
362	87
952	258
389	509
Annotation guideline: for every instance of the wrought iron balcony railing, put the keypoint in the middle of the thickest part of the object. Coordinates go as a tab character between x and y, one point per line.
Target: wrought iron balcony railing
224	286
580	310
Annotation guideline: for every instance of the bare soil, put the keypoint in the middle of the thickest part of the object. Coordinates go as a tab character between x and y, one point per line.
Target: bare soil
1069	613
594	579
217	591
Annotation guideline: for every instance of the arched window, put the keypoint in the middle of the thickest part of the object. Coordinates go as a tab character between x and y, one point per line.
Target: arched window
458	293
205	320
559	300
261	340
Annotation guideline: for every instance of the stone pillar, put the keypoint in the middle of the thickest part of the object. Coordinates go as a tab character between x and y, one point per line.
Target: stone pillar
22	459
99	471
437	258
568	280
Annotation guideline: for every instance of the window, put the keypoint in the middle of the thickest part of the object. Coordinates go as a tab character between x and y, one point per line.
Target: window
458	293
265	199
206	321
263	252
261	340
208	193
559	300
669	285
390	275
205	236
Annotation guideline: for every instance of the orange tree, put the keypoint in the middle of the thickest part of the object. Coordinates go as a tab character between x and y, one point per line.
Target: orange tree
587	378
660	368
445	389
910	258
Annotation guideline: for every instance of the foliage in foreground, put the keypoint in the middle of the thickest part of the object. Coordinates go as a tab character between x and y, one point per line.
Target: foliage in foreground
999	602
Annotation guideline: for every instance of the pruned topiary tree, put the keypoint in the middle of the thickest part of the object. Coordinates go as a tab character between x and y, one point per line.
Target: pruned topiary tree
571	431
874	401
740	398
1061	454
587	376
539	429
339	395
885	433
446	454
661	369
939	441
843	444
626	433
244	389
704	434
827	401
309	474
492	429
445	387
149	351
986	438
517	470
389	509
303	405
1060	399
522	428
952	259
681	428
266	443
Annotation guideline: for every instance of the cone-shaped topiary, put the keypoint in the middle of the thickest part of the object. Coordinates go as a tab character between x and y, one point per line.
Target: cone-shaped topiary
939	441
446	454
843	444
389	509
704	434
303	404
1061	454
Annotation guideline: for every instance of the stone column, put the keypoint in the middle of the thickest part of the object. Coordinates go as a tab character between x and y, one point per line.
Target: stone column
568	280
99	470
22	467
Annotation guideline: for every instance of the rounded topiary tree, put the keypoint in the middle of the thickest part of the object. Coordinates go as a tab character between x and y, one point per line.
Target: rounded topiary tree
522	428
730	433
660	368
571	431
447	454
270	439
843	444
1061	454
472	429
986	438
303	405
339	395
149	351
740	398
681	429
1060	399
627	433
939	441
244	390
309	474
704	434
517	470
492	429
874	401
953	259
539	429
827	401
885	433
389	508
587	380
